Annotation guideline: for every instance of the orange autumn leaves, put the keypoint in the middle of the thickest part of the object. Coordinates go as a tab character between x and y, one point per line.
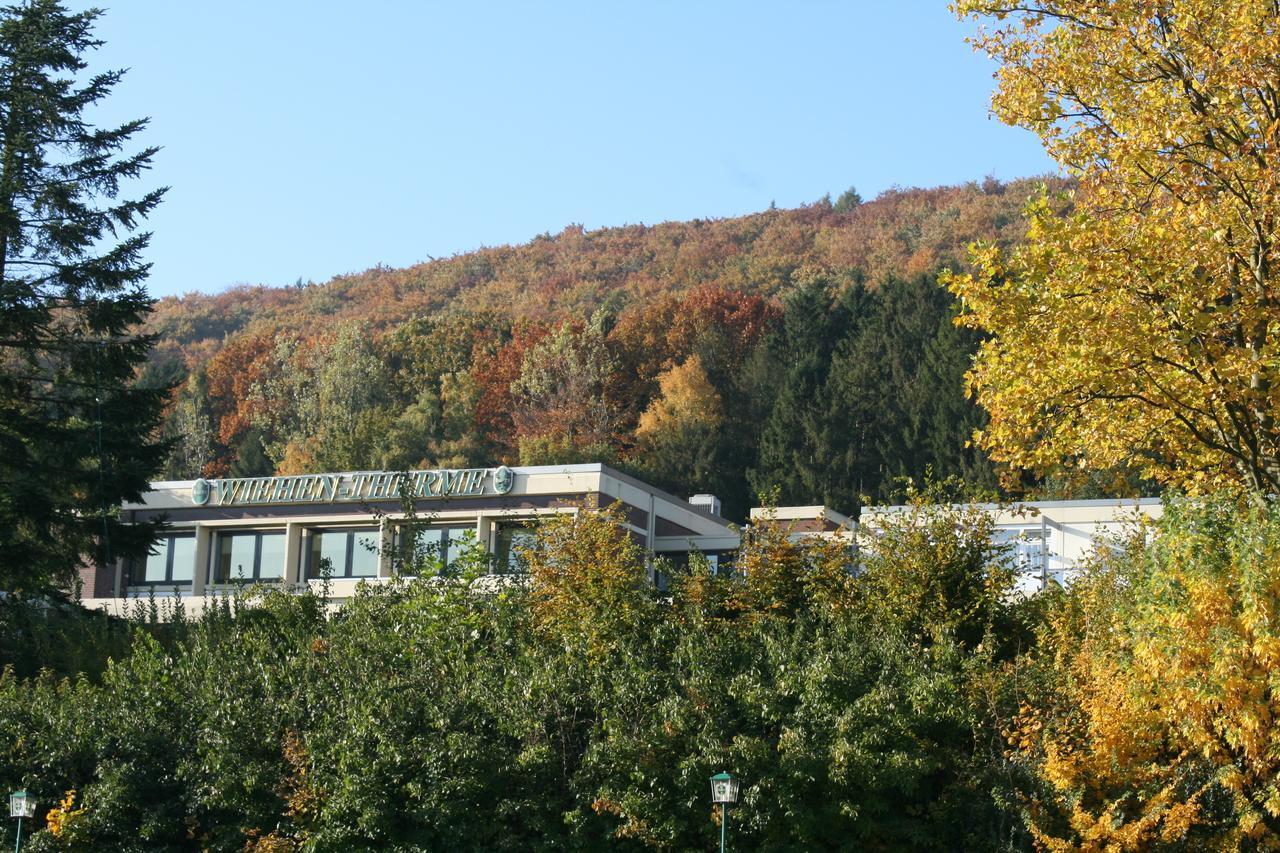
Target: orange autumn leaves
466	389
1162	721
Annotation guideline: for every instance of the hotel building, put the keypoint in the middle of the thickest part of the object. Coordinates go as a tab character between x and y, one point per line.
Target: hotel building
346	526
343	528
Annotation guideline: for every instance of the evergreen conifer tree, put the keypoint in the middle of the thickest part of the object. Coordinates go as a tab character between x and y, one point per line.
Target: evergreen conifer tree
860	401
898	386
77	436
809	444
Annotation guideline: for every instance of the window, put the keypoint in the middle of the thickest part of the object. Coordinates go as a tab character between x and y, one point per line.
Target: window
1027	551
1026	547
511	540
442	545
249	556
350	553
172	562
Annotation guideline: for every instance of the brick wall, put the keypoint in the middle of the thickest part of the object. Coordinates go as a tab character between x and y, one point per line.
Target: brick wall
97	581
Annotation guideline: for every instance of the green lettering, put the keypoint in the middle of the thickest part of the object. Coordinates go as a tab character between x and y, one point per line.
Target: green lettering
227	491
330	484
394	483
280	488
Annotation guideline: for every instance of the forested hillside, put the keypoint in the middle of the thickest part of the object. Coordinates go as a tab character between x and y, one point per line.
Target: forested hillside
808	350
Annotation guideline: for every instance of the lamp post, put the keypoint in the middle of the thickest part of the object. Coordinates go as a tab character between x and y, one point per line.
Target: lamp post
20	806
724	790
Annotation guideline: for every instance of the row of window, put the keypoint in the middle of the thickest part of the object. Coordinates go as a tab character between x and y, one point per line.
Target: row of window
259	555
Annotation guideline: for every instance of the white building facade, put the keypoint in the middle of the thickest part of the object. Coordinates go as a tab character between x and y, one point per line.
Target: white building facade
342	529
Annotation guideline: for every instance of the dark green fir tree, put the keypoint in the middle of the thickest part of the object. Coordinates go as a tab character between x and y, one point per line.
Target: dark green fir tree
811	444
77	435
925	358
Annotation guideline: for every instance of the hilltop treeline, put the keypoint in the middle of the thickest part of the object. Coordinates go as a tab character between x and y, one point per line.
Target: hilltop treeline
808	350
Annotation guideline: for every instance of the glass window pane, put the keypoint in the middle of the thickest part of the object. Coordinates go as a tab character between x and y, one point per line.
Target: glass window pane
156	563
313	555
455	540
511	541
329	545
184	559
271	558
364	555
429	550
235	556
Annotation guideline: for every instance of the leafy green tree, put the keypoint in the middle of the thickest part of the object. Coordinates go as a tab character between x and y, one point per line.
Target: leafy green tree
190	427
77	437
433	393
572	710
250	458
848	200
348	389
436	430
562	408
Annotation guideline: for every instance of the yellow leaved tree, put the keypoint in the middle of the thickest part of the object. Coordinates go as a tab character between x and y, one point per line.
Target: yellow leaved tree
1157	724
1138	328
589	579
686	399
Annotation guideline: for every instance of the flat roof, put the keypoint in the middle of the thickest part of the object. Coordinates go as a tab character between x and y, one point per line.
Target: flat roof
1013	505
801	513
573	468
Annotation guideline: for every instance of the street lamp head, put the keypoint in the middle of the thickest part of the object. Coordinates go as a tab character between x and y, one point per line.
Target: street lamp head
724	788
21	805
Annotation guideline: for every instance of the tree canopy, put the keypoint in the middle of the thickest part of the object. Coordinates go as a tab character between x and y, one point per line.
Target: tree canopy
1139	328
76	432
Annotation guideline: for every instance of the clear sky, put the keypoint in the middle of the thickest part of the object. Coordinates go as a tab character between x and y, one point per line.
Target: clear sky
309	139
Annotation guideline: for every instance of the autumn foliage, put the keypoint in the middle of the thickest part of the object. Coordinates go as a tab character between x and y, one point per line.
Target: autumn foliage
683	370
1138	329
1158	725
551	351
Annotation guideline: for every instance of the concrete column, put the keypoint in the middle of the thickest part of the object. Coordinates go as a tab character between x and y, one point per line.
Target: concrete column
204	542
292	553
386	533
1044	553
484	533
304	553
651	529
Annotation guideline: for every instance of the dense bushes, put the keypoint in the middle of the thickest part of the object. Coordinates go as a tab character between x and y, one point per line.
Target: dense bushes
578	711
908	705
1153	725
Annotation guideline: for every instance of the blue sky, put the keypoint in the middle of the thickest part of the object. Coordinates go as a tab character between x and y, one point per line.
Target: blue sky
306	140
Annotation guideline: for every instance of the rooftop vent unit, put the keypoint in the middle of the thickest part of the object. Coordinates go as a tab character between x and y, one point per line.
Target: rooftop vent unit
710	503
